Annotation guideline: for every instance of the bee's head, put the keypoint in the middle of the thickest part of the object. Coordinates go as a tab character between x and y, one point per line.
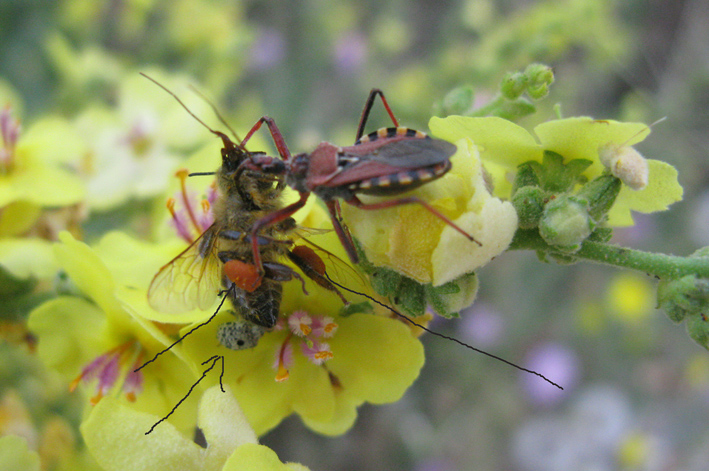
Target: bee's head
232	157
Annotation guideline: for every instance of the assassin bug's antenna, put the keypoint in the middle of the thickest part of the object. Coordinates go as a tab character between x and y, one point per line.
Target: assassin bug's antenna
228	144
216	112
214	359
221	303
220	134
437	334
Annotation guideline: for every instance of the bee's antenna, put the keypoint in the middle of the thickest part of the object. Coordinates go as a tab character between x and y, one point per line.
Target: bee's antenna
216	112
441	335
181	103
201	174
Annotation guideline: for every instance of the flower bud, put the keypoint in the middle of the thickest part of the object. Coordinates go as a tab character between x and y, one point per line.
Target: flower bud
686	296
539	78
566	223
513	85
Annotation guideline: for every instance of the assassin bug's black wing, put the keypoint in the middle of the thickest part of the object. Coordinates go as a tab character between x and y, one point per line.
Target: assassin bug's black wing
405	160
404	147
189	281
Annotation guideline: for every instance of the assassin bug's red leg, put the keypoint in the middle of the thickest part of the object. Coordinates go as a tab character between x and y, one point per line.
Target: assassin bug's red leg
356	202
368	108
333	206
275	134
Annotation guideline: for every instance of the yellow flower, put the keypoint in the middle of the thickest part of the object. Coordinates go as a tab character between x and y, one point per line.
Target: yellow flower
91	338
417	244
115	434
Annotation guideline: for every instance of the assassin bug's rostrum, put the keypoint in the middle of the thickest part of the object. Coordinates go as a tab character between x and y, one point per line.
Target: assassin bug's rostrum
389	161
222	255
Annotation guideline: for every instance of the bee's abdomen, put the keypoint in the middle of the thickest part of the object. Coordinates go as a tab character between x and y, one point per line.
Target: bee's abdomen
262	305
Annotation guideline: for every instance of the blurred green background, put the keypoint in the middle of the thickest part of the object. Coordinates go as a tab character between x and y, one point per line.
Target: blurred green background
636	388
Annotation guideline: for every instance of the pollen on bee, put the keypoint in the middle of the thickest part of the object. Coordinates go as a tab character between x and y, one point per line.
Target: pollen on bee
243	275
310	257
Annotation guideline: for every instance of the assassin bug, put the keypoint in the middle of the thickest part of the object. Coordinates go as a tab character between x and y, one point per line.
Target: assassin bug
387	162
222	255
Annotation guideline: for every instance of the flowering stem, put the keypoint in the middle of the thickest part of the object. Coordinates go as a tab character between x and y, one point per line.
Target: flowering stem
660	265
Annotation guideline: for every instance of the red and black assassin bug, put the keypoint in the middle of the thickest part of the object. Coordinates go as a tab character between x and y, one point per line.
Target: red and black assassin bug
389	161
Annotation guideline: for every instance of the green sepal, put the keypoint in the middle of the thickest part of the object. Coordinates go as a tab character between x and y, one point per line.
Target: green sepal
558	177
529	203
601	234
527	175
600	194
384	281
698	329
436	298
411	297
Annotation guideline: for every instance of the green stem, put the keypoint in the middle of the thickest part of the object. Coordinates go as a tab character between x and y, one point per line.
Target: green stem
488	108
660	265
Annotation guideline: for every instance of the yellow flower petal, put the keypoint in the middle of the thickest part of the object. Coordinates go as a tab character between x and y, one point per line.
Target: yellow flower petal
661	191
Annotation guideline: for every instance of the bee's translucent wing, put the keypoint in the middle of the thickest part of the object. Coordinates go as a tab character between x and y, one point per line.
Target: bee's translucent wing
189	281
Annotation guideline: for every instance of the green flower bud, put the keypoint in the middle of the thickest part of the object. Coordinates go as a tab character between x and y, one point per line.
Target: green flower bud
529	204
539	92
513	85
686	296
566	223
539	75
600	194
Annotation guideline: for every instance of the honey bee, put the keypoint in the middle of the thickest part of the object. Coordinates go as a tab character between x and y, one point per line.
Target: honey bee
221	259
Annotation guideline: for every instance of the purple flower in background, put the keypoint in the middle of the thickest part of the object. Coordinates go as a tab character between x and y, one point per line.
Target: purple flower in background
267	51
481	325
558	363
350	53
